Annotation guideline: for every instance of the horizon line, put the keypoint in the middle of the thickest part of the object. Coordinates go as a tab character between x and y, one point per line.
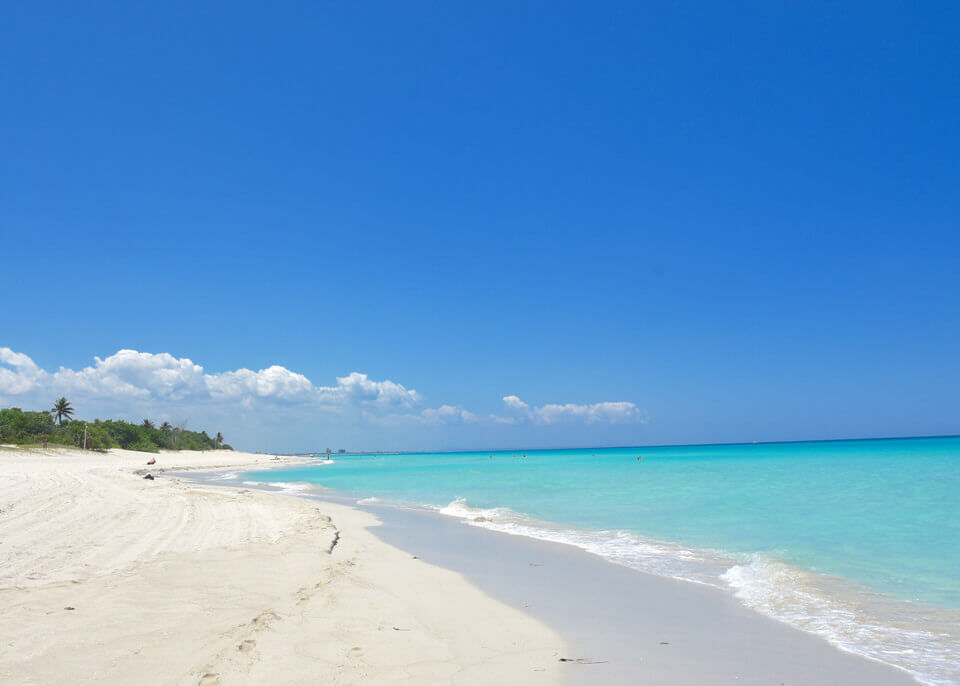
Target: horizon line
614	447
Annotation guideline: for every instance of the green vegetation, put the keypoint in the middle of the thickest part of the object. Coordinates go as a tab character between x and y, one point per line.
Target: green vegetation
57	427
62	409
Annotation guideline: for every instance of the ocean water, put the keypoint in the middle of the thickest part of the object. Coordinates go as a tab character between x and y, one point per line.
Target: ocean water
858	541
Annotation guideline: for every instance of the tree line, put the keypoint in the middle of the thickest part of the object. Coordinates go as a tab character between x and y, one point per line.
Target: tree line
58	426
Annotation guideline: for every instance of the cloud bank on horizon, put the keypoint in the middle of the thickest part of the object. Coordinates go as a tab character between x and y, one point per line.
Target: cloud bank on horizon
158	381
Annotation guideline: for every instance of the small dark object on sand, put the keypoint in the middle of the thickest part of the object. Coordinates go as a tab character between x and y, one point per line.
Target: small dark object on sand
664	643
582	660
69	608
149	477
152	460
396	628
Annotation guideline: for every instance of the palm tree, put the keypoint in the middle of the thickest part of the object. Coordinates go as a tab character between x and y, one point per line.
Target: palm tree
62	409
147	424
219	439
166	426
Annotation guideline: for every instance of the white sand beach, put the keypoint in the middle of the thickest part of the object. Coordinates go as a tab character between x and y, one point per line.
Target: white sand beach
108	578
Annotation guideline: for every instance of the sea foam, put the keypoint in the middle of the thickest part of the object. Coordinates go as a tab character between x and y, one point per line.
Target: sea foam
622	547
846	615
836	610
284	487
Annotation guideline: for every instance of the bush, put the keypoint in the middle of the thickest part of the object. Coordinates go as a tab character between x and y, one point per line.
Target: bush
17	426
191	440
98	438
72	434
143	445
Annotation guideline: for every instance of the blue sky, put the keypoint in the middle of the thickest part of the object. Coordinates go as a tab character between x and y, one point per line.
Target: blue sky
742	221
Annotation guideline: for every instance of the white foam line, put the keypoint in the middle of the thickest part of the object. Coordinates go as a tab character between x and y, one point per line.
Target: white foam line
622	547
772	588
283	487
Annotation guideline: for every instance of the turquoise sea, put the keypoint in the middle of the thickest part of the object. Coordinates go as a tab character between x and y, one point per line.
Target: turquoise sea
858	541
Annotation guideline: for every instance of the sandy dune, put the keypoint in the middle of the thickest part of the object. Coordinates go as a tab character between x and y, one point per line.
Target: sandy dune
108	578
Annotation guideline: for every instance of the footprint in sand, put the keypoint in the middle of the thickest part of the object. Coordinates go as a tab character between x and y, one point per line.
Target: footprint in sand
247	646
209	679
265	618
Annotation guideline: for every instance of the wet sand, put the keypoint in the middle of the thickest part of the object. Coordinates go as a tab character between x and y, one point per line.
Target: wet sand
633	627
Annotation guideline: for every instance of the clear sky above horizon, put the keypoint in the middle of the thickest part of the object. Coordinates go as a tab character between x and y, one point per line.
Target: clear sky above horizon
559	223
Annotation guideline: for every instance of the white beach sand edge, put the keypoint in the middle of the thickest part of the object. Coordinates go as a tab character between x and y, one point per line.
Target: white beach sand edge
108	578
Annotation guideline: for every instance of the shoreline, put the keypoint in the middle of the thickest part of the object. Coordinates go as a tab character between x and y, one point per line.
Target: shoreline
103	574
636	624
110	578
723	640
837	545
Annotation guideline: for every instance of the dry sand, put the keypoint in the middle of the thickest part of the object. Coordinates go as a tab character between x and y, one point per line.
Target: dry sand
108	578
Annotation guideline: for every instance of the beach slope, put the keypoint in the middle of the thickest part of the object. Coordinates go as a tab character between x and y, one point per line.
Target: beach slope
110	578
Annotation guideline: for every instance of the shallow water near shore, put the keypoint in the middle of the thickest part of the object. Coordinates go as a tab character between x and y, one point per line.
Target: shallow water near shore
857	541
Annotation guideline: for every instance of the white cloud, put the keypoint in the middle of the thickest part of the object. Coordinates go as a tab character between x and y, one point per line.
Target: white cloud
130	375
21	373
358	388
609	412
446	414
514	403
606	412
273	382
130	379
